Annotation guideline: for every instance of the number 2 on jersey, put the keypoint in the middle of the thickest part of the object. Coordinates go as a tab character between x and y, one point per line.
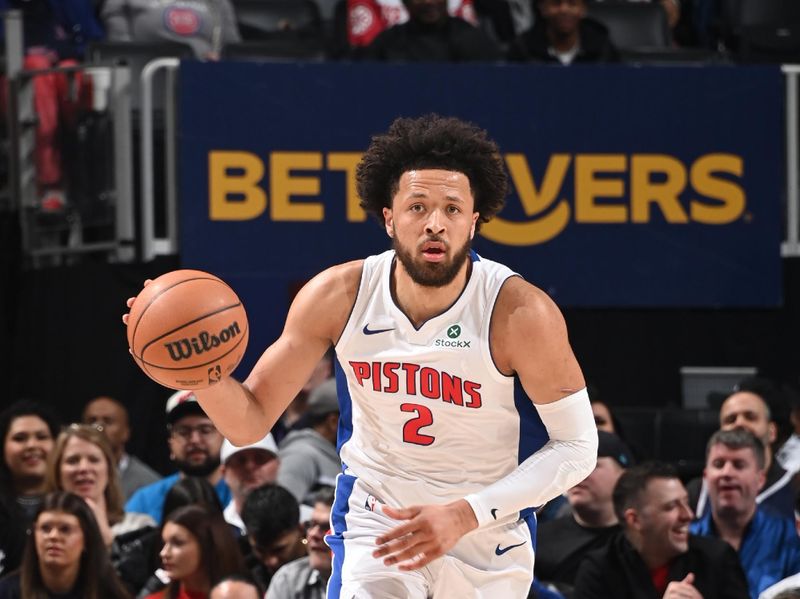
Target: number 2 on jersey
423	418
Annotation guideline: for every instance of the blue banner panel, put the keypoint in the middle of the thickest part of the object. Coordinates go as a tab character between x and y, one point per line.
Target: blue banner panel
630	187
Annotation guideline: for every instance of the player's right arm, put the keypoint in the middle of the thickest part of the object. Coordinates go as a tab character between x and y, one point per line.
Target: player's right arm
244	412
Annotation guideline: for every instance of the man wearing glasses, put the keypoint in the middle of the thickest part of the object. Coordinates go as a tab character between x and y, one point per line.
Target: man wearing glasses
307	577
194	446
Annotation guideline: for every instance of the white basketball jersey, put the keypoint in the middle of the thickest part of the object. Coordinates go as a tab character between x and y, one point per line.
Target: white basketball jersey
426	417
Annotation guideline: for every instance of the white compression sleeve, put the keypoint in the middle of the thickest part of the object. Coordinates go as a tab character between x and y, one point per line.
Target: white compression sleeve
566	459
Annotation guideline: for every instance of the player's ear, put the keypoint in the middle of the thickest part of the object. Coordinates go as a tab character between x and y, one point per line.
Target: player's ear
388	221
475	216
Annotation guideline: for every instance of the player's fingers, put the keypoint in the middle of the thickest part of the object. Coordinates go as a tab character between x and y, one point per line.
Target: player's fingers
129	301
394	546
125	319
396	533
401	513
147	282
426	553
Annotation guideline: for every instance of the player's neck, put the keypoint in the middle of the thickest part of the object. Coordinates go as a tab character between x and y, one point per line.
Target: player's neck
420	303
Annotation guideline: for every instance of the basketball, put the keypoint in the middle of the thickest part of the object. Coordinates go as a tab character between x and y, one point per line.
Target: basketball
187	329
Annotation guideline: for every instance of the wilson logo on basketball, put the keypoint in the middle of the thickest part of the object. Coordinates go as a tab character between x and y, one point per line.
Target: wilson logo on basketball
184	348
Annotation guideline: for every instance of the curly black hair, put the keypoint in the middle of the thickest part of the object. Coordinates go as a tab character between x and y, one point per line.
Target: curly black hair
432	141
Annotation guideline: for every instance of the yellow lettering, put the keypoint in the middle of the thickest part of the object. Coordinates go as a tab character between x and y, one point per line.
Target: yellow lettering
222	185
284	185
347	162
730	194
644	191
588	188
533	203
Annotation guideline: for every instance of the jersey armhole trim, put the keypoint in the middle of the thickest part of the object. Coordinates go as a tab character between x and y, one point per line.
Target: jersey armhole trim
500	373
352	308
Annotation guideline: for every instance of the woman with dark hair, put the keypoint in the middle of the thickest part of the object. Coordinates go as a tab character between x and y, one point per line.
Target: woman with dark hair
82	463
199	551
27	430
65	557
135	554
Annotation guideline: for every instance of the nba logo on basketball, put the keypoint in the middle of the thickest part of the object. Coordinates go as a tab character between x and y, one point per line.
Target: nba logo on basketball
214	374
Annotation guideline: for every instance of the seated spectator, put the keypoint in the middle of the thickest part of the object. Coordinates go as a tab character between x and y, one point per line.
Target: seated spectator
194	444
56	33
562	543
27	430
672	8
112	416
768	545
365	19
654	555
271	516
199	551
82	463
789	454
788	588
235	587
65	557
307	577
563	35
247	468
748	408
431	34
205	26
308	455
135	555
603	418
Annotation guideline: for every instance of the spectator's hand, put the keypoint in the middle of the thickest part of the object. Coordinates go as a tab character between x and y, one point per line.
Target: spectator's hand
683	589
98	508
673	10
430	531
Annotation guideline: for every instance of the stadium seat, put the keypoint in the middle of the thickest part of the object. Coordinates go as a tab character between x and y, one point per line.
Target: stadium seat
633	25
261	20
768	30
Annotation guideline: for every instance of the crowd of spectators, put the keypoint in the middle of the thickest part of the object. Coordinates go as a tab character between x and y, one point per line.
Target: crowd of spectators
251	521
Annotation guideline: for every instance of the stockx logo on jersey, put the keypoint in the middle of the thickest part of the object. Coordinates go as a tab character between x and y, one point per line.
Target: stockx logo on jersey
452	338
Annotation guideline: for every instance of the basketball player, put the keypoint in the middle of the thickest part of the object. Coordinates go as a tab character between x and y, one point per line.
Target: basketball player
442	452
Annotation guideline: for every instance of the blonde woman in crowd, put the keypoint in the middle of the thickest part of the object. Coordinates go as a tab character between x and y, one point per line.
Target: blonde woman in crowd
82	463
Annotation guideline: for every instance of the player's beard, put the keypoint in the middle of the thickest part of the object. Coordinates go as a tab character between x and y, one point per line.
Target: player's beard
203	468
432	274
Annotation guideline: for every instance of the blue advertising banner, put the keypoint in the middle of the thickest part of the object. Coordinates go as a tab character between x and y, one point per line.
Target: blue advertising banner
630	187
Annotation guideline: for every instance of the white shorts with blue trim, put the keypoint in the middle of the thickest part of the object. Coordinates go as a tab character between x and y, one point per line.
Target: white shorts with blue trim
490	563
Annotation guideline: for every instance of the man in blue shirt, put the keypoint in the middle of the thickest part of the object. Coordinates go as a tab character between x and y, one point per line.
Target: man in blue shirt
194	445
768	545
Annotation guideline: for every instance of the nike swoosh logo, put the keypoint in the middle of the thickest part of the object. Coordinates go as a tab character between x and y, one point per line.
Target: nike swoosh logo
494	513
368	331
499	551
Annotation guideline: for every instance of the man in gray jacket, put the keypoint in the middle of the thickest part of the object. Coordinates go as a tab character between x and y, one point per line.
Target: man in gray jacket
308	455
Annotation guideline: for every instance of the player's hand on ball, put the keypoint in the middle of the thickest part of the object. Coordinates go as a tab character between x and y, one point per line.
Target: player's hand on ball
430	532
129	303
187	329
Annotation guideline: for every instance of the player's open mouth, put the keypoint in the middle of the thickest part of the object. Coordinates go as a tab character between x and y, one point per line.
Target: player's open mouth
433	251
